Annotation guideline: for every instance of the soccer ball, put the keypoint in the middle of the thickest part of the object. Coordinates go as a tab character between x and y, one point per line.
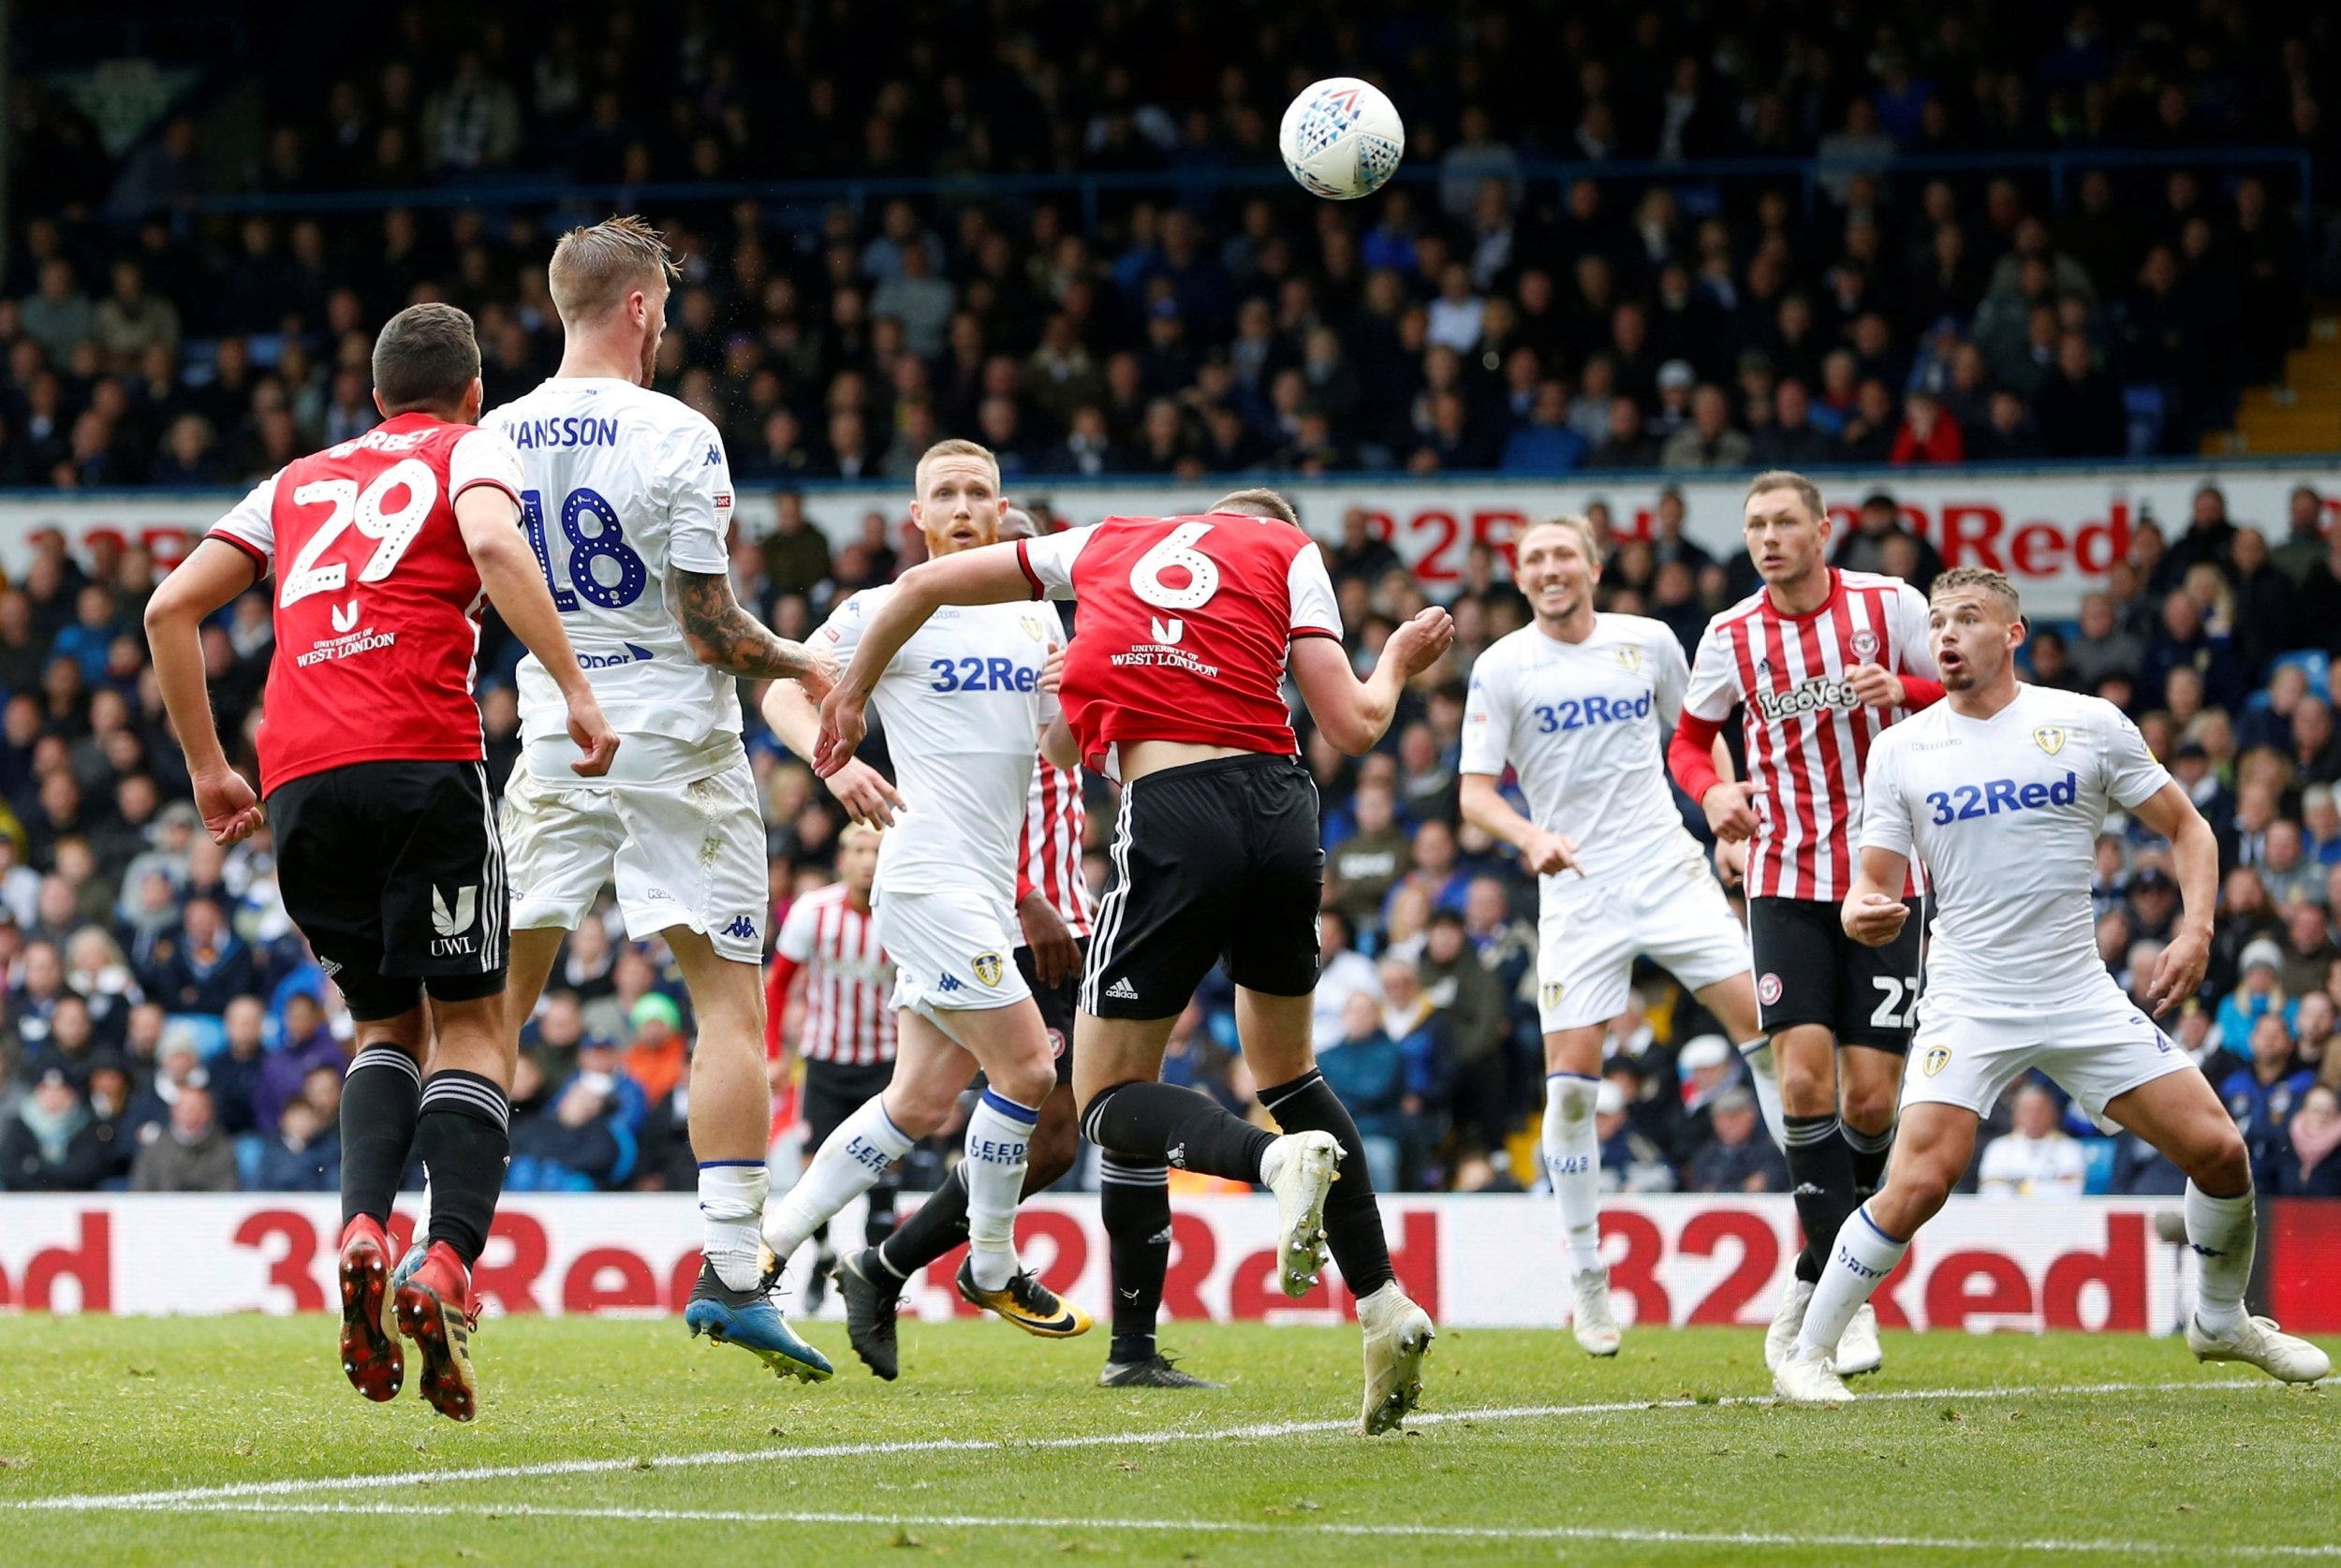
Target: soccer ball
1342	139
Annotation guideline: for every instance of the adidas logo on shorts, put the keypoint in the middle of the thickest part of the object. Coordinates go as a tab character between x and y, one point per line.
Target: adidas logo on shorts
1122	990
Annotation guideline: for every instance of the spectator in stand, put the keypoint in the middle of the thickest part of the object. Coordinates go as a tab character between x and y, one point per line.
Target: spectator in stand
192	1155
306	1155
1366	1068
586	1139
1736	1157
1343	972
1369	861
204	966
1426	1042
307	1045
2262	1096
2304	1165
52	1144
1865	546
1456	983
1630	1162
2034	1159
1929	434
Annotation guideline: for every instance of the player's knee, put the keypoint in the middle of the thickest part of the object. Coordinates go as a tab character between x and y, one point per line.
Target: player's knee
1869	1107
1028	1079
920	1110
2221	1163
1915	1193
1571	1098
1806	1089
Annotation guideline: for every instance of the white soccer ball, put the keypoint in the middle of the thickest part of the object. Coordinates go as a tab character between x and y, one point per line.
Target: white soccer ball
1342	139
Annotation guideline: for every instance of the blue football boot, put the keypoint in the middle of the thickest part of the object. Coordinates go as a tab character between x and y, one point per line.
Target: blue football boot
748	1318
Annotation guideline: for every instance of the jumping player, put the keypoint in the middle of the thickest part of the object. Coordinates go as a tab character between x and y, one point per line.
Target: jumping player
371	755
2001	792
1053	908
626	502
1189	626
1821	661
1579	703
966	705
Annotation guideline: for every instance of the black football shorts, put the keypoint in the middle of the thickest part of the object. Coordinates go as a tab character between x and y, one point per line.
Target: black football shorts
394	872
1809	972
1212	862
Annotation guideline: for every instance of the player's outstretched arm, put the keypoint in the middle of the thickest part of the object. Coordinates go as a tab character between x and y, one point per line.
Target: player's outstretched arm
1485	807
989	575
489	524
862	789
1874	912
2195	855
212	574
727	637
1355	714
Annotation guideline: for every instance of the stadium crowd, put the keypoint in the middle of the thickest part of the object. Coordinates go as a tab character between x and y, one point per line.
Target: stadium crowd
1470	317
164	1027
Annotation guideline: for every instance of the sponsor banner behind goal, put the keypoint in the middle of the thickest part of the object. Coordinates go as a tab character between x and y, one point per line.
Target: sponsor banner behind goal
2055	532
1480	1261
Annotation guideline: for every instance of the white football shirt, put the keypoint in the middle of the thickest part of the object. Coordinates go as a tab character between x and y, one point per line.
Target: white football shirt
1584	724
624	488
2005	814
963	708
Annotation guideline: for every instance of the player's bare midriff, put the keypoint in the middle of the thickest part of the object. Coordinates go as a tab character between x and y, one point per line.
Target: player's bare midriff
1142	757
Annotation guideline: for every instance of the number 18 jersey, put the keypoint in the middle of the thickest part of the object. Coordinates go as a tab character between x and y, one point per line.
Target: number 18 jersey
623	487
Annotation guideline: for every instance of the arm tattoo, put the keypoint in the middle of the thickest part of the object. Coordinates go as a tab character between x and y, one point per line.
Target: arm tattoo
742	644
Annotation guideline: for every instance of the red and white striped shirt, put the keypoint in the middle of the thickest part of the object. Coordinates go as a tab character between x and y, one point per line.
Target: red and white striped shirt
1049	855
848	980
1808	739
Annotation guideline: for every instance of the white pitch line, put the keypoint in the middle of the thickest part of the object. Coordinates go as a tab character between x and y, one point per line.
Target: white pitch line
1626	1535
292	1487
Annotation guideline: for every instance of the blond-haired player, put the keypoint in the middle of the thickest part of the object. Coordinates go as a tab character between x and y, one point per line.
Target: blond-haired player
626	504
2001	792
965	703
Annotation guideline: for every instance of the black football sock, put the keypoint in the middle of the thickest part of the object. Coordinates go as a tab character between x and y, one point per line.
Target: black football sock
1134	1202
1353	1221
1869	1152
934	1228
877	1220
465	1138
1157	1123
381	1098
1821	1178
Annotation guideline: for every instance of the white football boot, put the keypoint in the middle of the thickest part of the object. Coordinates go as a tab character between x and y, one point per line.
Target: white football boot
1301	1168
1858	1350
2259	1342
1787	1323
1398	1334
1595	1325
1806	1378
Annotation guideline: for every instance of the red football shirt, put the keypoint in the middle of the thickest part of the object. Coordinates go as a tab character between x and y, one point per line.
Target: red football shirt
378	602
1184	625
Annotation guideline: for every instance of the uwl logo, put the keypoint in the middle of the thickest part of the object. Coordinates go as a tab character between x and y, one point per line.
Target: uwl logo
346	618
449	922
1168	631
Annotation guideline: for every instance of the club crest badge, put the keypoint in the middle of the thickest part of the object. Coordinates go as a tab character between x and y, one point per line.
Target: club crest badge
1936	1057
2050	738
1865	643
1629	659
987	967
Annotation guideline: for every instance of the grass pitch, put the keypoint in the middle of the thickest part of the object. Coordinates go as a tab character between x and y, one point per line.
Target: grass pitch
235	1441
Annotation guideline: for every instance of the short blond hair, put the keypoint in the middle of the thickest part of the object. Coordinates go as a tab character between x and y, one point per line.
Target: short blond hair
854	832
595	266
953	447
1783	478
1993	583
1577	524
1259	502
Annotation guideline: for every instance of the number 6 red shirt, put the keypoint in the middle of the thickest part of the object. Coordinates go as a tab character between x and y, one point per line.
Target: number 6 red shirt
1184	627
377	600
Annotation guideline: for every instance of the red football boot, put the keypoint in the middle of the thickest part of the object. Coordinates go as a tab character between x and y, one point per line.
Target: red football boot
370	1355
436	1309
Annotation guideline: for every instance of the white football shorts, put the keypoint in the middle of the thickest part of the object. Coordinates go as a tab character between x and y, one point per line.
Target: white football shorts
1589	931
2095	1046
954	951
680	855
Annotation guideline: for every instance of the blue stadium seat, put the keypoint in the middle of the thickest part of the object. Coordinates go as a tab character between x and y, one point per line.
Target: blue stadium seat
2315	662
249	1148
2144	405
2097	1177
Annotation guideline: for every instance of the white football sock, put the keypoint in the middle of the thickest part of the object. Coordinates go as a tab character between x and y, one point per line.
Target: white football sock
1863	1255
2222	1232
732	1202
1572	1162
1763	1077
999	1135
850	1160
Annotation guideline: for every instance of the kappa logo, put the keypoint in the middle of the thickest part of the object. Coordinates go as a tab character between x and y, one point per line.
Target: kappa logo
741	928
2050	738
1122	990
453	922
988	968
346	618
1172	631
1937	1057
949	983
1629	659
714	458
1768	989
